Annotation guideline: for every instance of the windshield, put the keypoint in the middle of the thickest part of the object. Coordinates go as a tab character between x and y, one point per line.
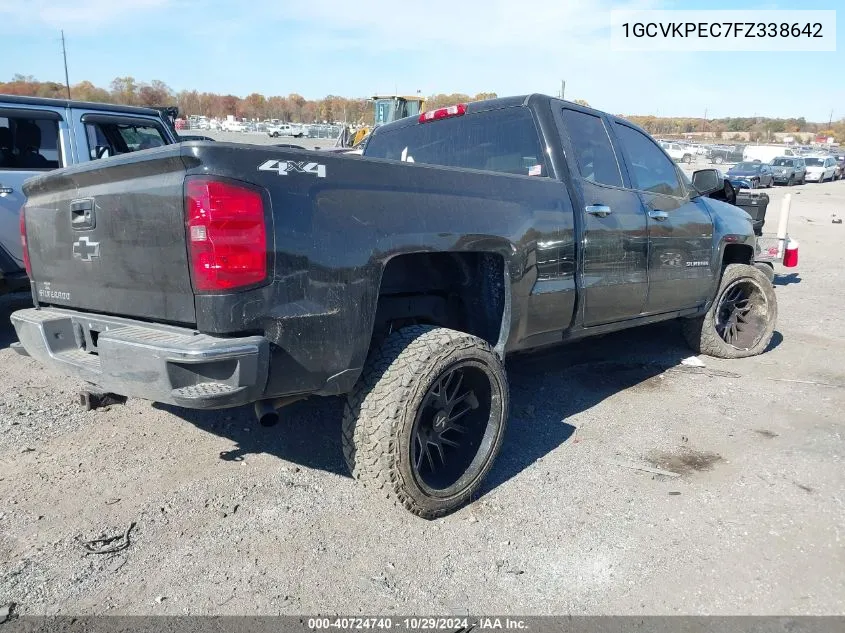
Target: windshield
814	162
747	167
782	162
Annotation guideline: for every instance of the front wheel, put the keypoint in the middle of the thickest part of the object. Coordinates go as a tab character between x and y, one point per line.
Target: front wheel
742	319
426	419
767	269
791	181
687	158
718	160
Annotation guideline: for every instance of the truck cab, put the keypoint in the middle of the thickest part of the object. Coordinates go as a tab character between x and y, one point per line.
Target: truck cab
39	135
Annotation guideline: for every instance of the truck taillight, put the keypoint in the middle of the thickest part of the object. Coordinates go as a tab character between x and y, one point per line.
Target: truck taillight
26	262
443	113
227	234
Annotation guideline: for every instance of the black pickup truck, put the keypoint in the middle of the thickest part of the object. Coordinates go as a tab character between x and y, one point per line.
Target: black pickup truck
212	275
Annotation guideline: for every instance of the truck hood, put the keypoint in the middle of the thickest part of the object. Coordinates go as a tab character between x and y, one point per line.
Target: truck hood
742	173
737	219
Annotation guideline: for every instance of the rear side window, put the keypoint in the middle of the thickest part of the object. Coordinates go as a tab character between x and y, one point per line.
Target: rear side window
29	143
593	151
651	170
110	139
504	141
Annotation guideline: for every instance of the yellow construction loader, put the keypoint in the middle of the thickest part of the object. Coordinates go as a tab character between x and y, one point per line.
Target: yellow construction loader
387	108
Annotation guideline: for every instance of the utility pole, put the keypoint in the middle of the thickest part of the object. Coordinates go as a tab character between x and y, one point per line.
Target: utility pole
562	89
830	120
64	54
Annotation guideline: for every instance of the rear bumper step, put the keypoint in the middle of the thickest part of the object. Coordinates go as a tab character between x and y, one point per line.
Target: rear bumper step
156	362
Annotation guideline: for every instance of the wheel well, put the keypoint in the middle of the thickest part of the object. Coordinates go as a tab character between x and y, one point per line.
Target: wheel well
737	254
461	291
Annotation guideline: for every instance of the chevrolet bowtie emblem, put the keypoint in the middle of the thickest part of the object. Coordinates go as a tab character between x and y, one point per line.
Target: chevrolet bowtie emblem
85	249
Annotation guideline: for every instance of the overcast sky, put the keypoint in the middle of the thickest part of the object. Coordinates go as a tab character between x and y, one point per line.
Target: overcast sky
357	48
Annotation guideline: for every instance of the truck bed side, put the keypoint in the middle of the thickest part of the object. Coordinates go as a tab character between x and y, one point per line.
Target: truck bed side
342	228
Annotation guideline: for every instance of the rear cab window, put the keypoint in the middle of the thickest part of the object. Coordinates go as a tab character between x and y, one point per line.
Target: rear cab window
29	140
504	141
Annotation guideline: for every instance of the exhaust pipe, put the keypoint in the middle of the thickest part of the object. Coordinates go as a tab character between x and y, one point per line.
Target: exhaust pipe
266	413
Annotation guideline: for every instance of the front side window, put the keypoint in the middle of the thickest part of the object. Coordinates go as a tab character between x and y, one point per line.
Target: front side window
504	141
110	139
651	170
29	143
593	151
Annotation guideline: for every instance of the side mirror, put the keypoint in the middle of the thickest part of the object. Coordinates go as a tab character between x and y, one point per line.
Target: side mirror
707	181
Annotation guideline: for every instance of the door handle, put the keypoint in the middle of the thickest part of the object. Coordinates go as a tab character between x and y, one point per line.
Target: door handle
598	210
658	215
82	215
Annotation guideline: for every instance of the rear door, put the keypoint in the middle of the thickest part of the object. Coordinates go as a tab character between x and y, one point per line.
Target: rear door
33	140
680	229
615	234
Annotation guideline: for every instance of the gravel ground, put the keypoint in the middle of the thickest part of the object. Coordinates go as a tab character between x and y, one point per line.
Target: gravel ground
231	518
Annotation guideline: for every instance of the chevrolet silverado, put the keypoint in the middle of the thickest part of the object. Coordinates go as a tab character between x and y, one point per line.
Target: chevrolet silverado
212	275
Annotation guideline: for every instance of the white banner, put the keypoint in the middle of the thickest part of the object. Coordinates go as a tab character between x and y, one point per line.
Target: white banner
718	30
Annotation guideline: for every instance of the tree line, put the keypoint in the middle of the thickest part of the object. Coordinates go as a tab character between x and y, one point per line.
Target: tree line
295	108
292	107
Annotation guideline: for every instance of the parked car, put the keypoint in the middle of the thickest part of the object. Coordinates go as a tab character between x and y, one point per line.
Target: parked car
285	129
766	153
400	278
725	154
677	152
751	175
39	135
233	126
820	168
840	165
789	170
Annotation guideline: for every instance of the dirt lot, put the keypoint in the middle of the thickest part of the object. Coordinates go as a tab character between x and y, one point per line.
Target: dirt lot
232	518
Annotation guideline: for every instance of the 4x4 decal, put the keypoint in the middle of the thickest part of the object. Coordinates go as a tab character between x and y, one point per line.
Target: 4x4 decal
285	167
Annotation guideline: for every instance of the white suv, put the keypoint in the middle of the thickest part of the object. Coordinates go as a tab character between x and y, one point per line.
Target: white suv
820	168
677	152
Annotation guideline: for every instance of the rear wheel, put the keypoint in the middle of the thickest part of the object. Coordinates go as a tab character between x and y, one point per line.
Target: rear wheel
426	419
741	321
687	158
718	160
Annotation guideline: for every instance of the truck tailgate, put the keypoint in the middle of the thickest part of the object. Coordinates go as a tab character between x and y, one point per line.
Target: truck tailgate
109	237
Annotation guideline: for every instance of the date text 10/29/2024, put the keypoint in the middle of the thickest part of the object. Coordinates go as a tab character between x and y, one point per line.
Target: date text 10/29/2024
463	624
